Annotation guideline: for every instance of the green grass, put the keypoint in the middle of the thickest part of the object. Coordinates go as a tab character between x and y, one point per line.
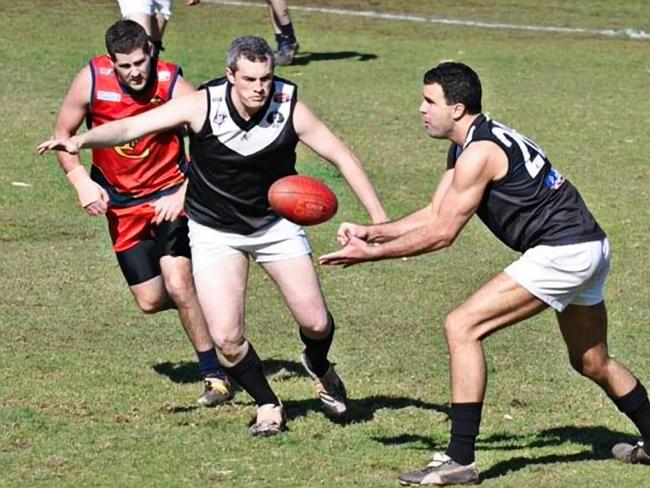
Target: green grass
95	393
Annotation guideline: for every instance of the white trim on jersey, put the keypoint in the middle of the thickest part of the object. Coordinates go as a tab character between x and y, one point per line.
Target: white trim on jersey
262	134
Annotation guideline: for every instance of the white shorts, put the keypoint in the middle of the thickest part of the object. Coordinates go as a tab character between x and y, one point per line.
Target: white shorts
149	7
282	241
564	275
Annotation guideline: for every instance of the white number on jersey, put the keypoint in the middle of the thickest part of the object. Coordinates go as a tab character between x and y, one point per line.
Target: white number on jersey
534	163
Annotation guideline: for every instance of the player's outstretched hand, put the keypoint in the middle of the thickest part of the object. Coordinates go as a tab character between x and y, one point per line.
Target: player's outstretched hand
356	251
71	145
347	230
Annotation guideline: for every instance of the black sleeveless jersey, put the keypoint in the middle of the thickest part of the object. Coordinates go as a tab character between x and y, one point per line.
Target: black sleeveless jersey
235	161
533	203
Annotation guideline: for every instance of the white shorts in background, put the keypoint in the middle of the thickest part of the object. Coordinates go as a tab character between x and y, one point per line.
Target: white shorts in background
564	275
281	241
149	7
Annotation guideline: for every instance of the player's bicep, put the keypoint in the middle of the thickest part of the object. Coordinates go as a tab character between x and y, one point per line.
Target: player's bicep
75	105
178	111
470	178
441	190
315	134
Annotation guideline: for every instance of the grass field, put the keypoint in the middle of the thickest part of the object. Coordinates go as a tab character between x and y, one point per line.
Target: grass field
94	393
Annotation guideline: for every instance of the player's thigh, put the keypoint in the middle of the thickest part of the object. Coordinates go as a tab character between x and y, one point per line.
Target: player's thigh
297	280
173	249
497	304
221	289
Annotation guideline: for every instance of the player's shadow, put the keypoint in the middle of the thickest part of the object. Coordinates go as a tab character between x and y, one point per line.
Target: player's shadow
188	371
304	58
597	443
278	370
181	372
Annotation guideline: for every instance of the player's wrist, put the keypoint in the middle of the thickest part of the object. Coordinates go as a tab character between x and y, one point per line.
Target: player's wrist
86	188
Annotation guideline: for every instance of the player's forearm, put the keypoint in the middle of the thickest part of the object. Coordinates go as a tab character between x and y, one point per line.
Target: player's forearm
392	230
363	189
110	134
418	241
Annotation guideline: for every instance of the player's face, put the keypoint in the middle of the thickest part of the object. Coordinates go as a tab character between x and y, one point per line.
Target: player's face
436	114
251	83
133	68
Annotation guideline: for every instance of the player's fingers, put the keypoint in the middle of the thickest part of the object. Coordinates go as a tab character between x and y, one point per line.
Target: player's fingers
46	146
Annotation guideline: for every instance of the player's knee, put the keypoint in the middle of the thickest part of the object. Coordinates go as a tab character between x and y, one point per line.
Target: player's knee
151	305
231	350
318	324
457	330
593	367
180	289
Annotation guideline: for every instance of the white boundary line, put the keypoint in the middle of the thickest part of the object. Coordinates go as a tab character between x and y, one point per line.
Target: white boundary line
621	33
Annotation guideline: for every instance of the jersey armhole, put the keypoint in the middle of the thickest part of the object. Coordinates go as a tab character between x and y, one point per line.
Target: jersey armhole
206	123
91	96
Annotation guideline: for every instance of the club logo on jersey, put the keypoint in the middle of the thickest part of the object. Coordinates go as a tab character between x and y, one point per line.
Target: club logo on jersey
128	150
108	96
156	100
281	97
554	180
275	118
219	118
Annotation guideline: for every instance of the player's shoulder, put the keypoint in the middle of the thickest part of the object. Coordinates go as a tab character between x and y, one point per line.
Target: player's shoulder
213	83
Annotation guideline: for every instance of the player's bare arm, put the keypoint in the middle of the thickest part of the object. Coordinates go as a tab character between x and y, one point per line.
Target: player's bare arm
480	164
92	197
170	207
390	230
189	109
317	136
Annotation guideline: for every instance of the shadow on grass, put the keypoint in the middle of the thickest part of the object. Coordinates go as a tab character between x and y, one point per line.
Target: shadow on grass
304	58
359	409
597	440
188	371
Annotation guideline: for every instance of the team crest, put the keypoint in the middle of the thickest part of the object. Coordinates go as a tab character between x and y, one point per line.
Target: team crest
275	118
156	100
219	118
129	150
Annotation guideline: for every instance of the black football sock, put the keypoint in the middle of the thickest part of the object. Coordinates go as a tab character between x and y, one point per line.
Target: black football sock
316	350
465	421
208	363
287	32
636	406
248	373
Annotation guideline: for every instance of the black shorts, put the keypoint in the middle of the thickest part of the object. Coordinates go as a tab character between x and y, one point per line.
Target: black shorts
142	261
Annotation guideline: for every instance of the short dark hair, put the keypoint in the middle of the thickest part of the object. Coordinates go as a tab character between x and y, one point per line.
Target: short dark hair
124	37
460	84
252	48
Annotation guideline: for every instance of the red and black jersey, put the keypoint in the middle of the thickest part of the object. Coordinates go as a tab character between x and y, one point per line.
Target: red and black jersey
145	168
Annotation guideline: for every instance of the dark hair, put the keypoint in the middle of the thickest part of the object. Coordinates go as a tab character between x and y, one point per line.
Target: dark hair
252	48
125	36
460	84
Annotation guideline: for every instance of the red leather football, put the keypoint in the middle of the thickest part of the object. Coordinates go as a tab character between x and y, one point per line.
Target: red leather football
303	200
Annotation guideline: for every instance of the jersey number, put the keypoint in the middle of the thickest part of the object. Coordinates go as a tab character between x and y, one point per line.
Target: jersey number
534	163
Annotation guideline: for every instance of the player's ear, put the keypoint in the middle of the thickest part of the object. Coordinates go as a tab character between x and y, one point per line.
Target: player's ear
458	111
149	48
230	75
